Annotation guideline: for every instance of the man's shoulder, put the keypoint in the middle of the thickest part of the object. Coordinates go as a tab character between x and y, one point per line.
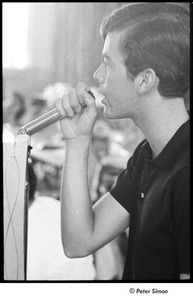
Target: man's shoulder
182	164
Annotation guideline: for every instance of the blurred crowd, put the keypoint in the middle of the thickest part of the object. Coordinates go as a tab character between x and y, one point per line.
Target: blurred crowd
112	144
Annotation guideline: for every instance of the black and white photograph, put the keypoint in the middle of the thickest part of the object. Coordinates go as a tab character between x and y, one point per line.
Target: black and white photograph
96	148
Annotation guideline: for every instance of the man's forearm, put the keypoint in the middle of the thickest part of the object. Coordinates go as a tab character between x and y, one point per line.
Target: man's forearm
76	207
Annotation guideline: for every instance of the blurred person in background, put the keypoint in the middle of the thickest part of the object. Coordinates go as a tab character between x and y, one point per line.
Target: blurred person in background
38	107
14	111
144	76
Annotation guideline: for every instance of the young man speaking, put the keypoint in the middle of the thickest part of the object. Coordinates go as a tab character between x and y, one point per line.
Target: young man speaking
144	77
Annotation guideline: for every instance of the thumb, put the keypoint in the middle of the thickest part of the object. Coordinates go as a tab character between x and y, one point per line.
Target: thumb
90	102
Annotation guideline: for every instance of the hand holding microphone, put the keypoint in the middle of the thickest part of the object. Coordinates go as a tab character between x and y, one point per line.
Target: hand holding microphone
77	109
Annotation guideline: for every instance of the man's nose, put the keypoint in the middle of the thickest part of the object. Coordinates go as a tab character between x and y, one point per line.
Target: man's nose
98	75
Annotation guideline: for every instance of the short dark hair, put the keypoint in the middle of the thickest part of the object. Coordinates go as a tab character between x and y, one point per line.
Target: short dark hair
156	35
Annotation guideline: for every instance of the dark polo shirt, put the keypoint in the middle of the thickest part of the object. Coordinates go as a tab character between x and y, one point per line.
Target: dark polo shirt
156	194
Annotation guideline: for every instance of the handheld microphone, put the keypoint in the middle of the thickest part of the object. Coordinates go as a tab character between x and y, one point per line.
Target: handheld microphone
43	121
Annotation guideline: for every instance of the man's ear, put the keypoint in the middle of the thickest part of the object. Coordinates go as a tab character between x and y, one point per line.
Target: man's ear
146	81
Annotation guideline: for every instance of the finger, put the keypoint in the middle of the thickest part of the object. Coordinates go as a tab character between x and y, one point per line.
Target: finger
74	101
81	88
58	105
66	105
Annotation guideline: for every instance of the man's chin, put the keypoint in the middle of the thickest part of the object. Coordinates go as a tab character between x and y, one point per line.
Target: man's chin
108	114
113	116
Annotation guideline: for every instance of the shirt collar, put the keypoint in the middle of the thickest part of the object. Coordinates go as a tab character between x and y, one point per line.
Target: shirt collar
178	143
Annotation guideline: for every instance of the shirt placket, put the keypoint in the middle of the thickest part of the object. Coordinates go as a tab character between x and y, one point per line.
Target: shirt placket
141	190
147	173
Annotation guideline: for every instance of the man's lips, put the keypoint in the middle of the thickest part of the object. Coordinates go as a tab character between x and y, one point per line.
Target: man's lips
102	96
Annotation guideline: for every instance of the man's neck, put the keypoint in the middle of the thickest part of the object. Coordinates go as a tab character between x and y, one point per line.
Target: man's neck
160	122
